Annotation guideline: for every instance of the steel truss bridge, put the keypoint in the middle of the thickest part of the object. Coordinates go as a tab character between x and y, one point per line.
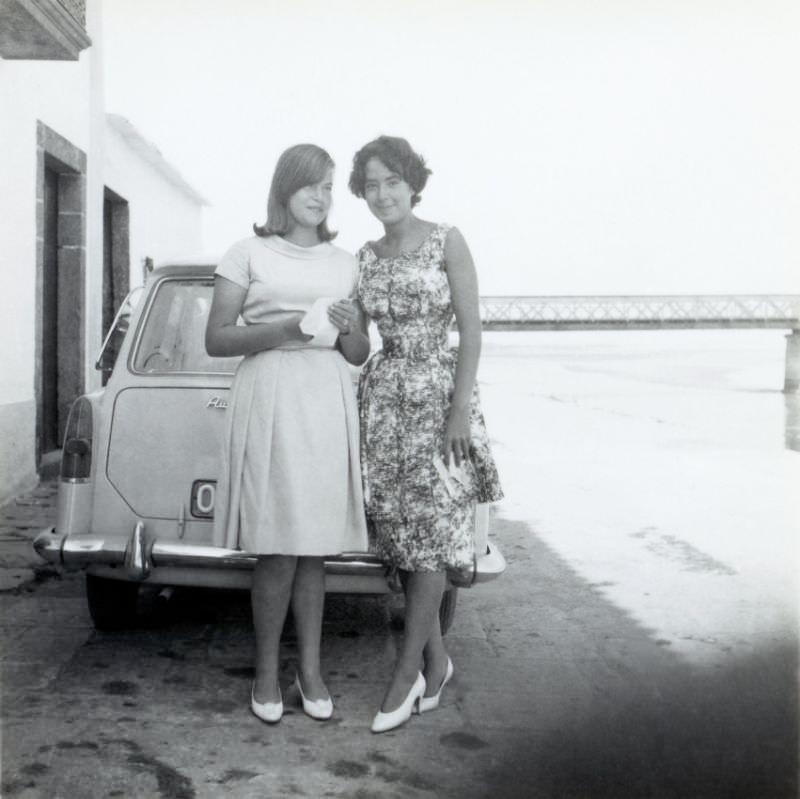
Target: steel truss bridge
642	312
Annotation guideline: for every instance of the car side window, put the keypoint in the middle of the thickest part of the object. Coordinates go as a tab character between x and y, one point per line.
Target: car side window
173	333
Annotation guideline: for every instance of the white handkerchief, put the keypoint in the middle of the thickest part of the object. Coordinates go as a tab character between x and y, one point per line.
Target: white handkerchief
443	475
316	323
448	474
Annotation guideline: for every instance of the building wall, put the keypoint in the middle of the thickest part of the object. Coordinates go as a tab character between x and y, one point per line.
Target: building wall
63	102
164	222
59	94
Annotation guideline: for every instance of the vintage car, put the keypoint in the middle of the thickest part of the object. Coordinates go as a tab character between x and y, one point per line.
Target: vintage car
140	457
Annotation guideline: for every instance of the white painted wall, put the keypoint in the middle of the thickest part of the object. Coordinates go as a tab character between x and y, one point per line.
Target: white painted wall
59	94
93	317
164	222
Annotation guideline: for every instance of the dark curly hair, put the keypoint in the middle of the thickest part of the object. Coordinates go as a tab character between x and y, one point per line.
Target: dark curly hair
396	155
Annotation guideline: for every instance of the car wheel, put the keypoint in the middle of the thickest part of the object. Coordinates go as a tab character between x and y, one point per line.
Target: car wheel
447	610
112	603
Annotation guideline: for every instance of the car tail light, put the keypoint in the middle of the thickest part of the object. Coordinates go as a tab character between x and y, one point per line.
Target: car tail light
76	458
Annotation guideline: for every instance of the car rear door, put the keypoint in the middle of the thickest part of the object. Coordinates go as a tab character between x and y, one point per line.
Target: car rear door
168	421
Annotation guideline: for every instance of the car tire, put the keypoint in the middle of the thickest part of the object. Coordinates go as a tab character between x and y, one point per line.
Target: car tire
112	603
447	610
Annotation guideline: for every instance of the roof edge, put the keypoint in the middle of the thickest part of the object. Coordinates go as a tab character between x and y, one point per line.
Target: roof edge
148	152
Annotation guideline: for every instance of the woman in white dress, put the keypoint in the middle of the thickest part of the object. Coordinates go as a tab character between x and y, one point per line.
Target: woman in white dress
290	486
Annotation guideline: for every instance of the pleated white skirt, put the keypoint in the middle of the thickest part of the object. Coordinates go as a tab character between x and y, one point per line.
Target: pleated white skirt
290	481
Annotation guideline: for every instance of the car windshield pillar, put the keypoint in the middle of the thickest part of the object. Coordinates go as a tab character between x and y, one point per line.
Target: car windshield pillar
116	334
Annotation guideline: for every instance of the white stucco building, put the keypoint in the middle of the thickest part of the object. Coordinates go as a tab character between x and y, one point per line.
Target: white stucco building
86	202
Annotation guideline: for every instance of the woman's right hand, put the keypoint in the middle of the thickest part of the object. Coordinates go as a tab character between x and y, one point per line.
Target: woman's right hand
226	338
292	327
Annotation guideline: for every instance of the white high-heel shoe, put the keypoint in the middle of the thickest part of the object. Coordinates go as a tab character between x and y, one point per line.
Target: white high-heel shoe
319	709
388	721
270	712
432	702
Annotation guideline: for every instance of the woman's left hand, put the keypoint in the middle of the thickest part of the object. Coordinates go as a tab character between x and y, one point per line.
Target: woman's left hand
344	316
457	436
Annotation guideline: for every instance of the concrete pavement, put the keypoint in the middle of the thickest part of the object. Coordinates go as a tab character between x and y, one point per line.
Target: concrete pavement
557	693
21	519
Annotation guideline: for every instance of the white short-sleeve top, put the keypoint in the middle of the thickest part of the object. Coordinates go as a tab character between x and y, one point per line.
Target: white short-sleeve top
282	278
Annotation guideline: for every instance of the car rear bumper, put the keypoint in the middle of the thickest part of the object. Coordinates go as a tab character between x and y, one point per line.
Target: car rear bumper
137	557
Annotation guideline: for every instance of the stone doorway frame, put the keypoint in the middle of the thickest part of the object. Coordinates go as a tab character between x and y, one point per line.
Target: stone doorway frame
116	260
56	153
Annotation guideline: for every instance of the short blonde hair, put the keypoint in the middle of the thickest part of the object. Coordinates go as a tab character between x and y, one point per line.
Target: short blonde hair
299	166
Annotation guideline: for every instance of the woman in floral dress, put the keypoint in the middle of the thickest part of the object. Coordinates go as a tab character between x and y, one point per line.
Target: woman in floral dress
425	454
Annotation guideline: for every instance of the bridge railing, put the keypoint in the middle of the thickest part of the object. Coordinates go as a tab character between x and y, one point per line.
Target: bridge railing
778	311
643	312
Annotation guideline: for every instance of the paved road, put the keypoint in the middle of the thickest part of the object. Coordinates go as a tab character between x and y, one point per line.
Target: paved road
557	693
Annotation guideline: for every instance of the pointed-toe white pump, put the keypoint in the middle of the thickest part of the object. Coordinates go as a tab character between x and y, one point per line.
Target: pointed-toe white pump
319	709
270	712
388	721
427	703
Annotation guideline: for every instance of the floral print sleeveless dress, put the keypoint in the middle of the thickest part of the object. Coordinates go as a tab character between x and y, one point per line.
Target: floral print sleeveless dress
417	520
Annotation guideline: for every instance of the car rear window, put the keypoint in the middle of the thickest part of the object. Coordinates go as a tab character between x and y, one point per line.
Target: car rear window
172	337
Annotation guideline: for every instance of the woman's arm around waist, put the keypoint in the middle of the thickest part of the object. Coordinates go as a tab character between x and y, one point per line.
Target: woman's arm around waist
224	338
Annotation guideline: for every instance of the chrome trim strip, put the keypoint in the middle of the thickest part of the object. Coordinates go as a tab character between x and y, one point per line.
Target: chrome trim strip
140	556
137	559
48	546
76	552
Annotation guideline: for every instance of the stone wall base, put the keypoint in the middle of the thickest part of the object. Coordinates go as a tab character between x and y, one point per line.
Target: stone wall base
17	448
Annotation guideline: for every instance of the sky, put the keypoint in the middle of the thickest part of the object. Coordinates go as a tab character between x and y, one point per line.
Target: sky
621	147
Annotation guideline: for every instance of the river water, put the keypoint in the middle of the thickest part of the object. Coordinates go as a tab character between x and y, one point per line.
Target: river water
663	466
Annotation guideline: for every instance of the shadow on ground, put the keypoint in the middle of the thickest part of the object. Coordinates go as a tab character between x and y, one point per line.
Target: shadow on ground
730	732
663	728
558	694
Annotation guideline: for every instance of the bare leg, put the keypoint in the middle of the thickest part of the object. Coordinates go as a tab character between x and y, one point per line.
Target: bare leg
423	596
308	603
272	586
435	657
434	654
